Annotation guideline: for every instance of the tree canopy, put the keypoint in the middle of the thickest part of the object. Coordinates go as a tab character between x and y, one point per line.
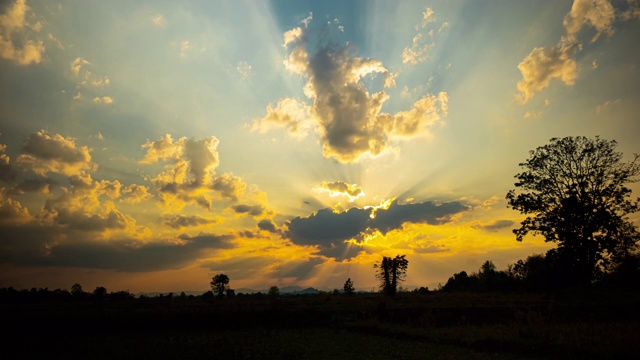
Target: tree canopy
219	284
574	193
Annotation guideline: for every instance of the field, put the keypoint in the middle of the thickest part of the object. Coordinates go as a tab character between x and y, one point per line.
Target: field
411	326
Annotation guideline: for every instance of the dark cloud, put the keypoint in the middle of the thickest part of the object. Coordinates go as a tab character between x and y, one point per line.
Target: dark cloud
495	225
329	230
34	244
180	221
422	213
253	210
267	225
41	185
327	227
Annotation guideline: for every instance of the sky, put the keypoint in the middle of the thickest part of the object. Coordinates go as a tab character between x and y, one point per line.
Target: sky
150	145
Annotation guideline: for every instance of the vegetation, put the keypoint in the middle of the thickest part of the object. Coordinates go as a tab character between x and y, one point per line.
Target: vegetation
348	287
274	291
219	284
574	193
576	301
391	272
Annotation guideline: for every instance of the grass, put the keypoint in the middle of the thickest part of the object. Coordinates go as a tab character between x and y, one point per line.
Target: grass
436	326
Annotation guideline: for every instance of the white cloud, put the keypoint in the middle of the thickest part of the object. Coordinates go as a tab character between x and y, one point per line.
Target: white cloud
347	117
544	64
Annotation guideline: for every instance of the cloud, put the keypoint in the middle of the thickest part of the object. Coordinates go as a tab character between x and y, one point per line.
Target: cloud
544	64
158	20
343	113
189	177
252	210
422	42
43	153
290	113
633	10
182	221
7	172
607	105
40	185
244	69
107	100
600	14
77	64
123	255
135	193
13	25
341	188
267	225
12	212
330	230
493	226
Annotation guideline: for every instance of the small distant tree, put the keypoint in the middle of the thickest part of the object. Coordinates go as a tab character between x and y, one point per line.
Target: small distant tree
219	284
100	292
390	272
274	291
348	287
76	290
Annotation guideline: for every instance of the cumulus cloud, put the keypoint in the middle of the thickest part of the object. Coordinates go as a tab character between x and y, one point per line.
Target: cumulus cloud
107	100
135	193
290	113
330	230
43	153
599	14
13	25
341	188
189	176
544	64
344	114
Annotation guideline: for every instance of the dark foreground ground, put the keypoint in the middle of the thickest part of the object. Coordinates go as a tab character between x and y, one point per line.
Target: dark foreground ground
411	326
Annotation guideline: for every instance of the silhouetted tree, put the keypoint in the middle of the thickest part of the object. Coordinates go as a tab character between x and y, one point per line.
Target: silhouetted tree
100	292
391	272
76	290
231	293
574	193
274	291
219	284
348	287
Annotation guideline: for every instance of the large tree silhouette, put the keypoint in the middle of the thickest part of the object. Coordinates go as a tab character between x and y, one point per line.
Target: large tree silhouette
574	193
390	272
